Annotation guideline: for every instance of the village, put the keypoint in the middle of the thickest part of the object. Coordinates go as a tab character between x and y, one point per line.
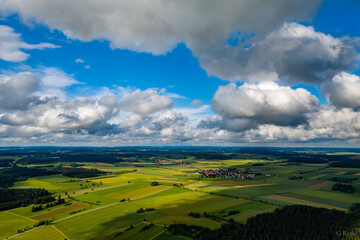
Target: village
226	173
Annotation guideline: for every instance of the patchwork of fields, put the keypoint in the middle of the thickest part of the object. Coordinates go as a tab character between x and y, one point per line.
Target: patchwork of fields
106	207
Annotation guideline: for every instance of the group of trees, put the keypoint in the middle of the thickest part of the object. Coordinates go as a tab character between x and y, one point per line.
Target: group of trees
146	227
194	214
51	204
81	172
40	223
344	180
232	212
289	222
12	198
142	210
154	183
342	188
6	163
13	174
346	163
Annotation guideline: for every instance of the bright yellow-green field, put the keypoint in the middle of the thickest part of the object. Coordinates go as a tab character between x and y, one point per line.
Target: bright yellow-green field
335	196
11	222
55	183
292	200
42	233
138	193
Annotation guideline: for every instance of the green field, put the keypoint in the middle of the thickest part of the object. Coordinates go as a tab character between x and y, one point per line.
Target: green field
42	233
10	223
104	207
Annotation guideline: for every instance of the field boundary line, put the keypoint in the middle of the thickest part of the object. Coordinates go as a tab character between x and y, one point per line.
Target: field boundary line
156	235
255	185
18	215
24	232
61	208
86	212
60	231
95	209
310	202
81	192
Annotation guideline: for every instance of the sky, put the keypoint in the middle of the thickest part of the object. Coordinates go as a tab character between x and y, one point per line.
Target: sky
180	73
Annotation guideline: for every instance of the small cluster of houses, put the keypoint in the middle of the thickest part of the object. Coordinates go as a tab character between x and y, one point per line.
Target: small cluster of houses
162	161
226	173
297	178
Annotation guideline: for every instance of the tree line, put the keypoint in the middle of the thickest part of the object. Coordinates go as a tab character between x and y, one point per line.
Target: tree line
13	174
78	172
48	205
342	188
21	197
289	222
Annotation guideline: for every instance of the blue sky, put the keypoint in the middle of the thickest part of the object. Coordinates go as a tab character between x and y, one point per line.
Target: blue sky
273	84
176	70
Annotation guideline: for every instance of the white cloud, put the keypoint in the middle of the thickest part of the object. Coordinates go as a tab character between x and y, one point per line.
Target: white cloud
174	95
77	114
325	125
145	102
79	60
22	90
266	102
192	110
131	121
195	115
292	52
343	90
196	102
203	25
54	77
11	45
222	123
16	91
276	49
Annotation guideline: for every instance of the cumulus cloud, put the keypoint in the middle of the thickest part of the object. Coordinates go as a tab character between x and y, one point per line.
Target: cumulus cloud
159	26
335	123
30	109
167	119
301	53
267	46
292	52
223	123
343	90
145	102
54	77
204	26
326	125
77	114
86	122
266	102
11	45
35	86
131	121
16	91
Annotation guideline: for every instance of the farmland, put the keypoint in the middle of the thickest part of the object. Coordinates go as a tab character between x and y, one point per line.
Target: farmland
106	206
